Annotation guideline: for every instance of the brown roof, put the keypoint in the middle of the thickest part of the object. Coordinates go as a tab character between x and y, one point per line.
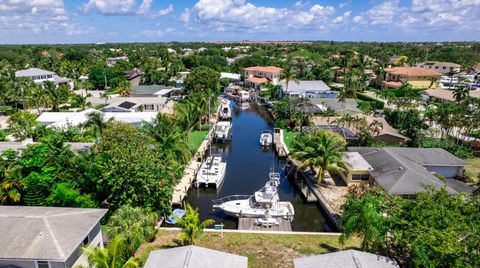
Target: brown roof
412	71
440	94
393	84
387	129
258	80
266	69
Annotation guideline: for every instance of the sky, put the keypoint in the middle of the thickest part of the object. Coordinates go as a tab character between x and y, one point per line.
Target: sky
93	21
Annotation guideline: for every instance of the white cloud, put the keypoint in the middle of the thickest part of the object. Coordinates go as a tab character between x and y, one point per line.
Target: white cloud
185	16
166	11
342	19
144	7
157	33
111	7
19	17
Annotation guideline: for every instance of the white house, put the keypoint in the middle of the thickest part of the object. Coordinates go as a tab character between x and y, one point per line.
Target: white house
48	237
440	66
39	77
308	89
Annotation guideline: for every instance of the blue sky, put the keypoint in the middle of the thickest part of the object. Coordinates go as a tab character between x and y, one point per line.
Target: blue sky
90	21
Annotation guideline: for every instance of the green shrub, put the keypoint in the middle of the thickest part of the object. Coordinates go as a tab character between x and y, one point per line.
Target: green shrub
375	103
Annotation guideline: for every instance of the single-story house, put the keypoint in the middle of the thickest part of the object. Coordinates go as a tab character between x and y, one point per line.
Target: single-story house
349	106
405	171
67	119
358	169
308	89
347	258
152	91
132	104
48	237
417	77
18	145
194	257
443	95
112	61
232	77
386	134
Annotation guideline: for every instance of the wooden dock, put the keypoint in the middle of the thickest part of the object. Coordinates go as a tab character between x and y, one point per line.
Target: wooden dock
280	146
251	225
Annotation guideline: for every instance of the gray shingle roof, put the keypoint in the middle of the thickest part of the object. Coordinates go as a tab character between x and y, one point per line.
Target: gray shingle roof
194	257
311	85
45	233
32	72
350	105
397	172
344	259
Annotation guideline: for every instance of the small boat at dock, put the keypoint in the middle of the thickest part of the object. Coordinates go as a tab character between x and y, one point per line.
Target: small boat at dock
177	213
266	138
225	112
212	172
223	131
263	203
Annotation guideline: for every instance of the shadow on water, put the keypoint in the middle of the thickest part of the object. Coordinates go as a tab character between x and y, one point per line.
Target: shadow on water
247	171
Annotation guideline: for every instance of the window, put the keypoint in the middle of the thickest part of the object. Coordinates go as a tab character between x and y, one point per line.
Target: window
149	107
85	241
444	67
43	264
360	177
436	67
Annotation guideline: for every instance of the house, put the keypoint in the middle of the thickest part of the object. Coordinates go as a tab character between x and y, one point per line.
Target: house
308	89
257	75
349	106
443	95
347	258
440	66
232	77
112	61
132	105
386	133
39	77
194	257
179	78
152	91
417	77
358	169
19	145
48	237
405	171
65	120
134	76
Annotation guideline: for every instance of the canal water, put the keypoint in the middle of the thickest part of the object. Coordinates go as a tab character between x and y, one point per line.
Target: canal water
247	171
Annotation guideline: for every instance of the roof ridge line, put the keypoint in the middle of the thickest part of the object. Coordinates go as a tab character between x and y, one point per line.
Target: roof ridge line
54	238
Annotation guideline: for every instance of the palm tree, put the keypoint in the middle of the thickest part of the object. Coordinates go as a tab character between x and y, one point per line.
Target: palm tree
95	121
12	185
460	93
321	149
289	76
124	89
432	80
80	100
133	225
57	95
105	96
375	127
110	257
191	225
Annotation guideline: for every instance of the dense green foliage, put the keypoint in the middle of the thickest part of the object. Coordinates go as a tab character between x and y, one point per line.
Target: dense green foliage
191	225
434	230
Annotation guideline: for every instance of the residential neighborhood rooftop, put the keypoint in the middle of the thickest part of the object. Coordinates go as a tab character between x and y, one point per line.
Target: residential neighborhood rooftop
347	258
46	233
412	71
32	72
266	69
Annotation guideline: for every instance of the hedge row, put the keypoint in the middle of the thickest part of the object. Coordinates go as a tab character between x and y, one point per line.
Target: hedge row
376	103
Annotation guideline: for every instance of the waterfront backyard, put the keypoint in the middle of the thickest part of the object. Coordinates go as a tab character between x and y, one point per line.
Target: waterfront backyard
262	250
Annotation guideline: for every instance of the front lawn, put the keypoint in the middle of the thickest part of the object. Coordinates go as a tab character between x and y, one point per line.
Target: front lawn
196	138
289	137
473	170
262	250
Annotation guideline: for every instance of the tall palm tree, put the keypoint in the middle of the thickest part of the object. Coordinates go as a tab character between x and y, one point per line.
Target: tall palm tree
110	257
80	100
124	89
375	127
192	228
105	96
95	121
289	76
321	149
57	94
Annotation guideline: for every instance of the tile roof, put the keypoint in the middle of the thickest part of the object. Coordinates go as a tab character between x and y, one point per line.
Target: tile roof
347	258
266	69
412	71
258	80
194	257
45	233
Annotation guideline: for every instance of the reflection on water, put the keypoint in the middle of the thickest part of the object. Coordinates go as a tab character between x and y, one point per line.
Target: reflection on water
248	166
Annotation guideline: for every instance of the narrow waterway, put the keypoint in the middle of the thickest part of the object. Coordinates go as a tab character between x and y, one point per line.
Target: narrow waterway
247	171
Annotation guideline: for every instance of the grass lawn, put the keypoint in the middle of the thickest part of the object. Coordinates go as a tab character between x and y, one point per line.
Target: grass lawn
196	138
474	169
262	250
289	137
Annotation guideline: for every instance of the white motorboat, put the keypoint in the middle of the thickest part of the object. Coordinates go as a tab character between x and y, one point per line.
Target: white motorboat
266	138
262	203
212	172
223	131
225	112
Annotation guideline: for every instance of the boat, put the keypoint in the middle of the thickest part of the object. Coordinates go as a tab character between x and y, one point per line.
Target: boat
266	138
177	213
223	131
212	172
263	203
225	112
